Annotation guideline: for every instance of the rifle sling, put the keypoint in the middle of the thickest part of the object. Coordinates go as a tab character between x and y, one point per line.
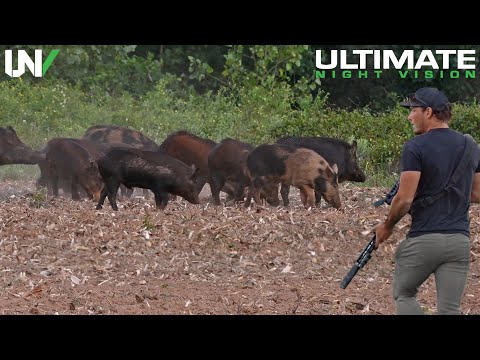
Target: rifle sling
461	168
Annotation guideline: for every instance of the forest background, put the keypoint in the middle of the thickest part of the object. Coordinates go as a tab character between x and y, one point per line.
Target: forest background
253	93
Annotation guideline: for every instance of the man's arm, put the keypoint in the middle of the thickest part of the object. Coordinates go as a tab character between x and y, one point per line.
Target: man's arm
400	205
403	200
475	196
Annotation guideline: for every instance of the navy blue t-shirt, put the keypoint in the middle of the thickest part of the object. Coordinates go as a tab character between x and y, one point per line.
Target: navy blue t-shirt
436	154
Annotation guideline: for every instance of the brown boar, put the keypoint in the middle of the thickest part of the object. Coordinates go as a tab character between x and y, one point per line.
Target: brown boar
14	151
227	163
69	160
191	150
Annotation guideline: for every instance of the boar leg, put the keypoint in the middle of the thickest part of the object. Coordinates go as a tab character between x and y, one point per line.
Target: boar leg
256	195
101	200
74	189
257	188
318	198
307	196
112	198
248	201
53	185
303	196
284	191
161	198
239	193
216	184
112	188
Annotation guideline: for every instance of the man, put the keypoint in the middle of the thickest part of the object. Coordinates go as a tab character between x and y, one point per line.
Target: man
439	238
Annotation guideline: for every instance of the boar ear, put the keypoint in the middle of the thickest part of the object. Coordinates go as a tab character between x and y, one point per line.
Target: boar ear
194	171
11	132
335	168
353	149
354	145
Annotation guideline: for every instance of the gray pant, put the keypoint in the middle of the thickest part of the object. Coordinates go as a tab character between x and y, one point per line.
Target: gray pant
445	255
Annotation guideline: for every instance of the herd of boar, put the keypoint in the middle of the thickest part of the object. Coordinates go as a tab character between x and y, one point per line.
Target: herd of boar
109	157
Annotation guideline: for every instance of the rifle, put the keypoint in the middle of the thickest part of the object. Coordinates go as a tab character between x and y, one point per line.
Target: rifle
389	197
361	262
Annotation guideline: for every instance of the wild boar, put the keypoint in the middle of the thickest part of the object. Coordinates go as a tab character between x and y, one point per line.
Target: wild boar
152	170
300	167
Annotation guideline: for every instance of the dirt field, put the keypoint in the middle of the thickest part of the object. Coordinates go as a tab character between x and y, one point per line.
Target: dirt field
59	256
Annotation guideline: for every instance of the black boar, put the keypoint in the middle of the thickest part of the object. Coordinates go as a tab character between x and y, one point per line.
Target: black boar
300	167
112	134
71	161
152	170
13	151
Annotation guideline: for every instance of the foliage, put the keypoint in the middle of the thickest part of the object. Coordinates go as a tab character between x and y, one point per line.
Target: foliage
108	69
254	93
135	69
39	198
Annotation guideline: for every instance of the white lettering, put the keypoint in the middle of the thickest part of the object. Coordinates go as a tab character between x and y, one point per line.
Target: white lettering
421	62
23	59
333	60
462	59
446	57
382	59
343	61
363	57
389	56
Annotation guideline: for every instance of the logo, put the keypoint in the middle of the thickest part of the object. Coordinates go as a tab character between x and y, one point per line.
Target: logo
37	67
426	64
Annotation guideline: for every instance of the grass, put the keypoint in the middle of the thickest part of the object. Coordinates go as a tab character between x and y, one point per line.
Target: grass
19	172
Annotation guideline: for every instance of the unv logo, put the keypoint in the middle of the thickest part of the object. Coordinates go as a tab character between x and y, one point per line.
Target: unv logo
37	67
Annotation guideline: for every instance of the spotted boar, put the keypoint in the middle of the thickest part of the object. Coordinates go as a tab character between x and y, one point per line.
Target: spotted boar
14	151
160	173
300	167
334	151
71	161
112	134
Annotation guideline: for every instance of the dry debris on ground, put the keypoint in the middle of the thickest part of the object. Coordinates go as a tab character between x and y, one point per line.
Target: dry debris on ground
59	256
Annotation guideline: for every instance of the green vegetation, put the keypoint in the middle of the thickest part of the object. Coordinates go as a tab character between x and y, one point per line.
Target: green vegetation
148	223
39	198
252	93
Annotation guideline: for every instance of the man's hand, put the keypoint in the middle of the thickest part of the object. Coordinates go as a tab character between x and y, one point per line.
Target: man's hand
383	232
400	205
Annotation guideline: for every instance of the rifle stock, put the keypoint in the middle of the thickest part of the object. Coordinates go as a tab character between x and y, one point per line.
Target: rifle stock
389	196
362	260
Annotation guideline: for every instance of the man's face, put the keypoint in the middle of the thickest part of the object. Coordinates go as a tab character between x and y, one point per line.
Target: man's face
418	119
